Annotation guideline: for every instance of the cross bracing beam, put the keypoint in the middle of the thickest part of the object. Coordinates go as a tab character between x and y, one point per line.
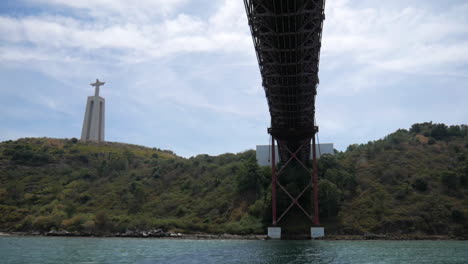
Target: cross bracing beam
287	39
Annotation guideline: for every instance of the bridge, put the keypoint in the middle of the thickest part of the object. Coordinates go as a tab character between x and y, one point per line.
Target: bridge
287	39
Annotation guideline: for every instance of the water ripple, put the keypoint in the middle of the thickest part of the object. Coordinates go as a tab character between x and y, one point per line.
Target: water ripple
148	251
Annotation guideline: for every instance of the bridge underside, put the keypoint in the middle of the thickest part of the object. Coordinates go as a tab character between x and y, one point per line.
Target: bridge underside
287	39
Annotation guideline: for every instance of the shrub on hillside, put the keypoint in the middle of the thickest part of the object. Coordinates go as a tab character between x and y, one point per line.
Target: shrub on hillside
458	216
439	132
450	180
46	223
329	198
420	184
76	223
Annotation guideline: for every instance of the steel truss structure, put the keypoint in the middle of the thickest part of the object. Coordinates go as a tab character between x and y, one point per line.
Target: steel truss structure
287	39
313	184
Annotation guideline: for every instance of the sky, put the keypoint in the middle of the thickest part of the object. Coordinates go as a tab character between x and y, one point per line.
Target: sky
182	74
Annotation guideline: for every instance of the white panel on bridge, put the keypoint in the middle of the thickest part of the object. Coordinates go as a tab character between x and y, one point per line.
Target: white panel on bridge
264	153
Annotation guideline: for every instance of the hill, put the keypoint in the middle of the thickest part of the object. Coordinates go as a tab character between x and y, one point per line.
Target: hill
410	182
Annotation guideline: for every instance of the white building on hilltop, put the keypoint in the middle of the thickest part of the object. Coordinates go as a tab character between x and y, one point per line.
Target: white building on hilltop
93	123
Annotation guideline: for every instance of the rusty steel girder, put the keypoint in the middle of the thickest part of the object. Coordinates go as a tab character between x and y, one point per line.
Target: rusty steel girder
287	39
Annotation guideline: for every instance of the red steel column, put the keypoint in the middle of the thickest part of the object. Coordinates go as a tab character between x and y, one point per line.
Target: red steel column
273	179
315	181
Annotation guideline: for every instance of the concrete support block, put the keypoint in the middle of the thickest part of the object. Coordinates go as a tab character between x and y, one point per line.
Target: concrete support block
274	232
317	232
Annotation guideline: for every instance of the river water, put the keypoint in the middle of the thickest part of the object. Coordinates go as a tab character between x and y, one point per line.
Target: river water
129	250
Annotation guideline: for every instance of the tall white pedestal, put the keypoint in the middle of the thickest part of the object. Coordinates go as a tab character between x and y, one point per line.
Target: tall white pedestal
93	123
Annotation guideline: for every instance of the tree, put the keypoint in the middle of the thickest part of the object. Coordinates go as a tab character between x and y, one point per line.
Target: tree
450	180
454	131
329	198
325	163
16	191
398	137
103	168
341	178
102	222
464	177
415	129
249	177
458	216
420	184
439	131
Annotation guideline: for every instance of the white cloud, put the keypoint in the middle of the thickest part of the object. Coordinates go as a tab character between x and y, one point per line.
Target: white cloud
50	43
396	37
132	41
102	8
169	69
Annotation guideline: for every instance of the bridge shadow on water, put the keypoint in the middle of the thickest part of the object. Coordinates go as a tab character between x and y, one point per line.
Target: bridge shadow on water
281	252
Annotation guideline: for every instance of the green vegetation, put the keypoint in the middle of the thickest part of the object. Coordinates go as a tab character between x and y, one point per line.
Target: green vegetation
410	182
109	187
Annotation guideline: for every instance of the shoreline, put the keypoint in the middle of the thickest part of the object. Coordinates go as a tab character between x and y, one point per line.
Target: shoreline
202	236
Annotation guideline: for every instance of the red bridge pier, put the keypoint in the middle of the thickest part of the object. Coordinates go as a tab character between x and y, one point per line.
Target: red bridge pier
316	231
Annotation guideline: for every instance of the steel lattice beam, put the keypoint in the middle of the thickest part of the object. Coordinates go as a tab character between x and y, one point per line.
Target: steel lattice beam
313	184
287	39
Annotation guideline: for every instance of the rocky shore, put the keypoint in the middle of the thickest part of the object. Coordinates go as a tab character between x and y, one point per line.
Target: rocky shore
370	236
159	233
155	233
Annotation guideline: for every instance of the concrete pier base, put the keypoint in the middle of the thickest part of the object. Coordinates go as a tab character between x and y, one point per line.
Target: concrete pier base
317	232
274	232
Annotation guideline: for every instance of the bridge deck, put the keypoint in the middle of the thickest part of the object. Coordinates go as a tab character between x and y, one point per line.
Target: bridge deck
287	39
